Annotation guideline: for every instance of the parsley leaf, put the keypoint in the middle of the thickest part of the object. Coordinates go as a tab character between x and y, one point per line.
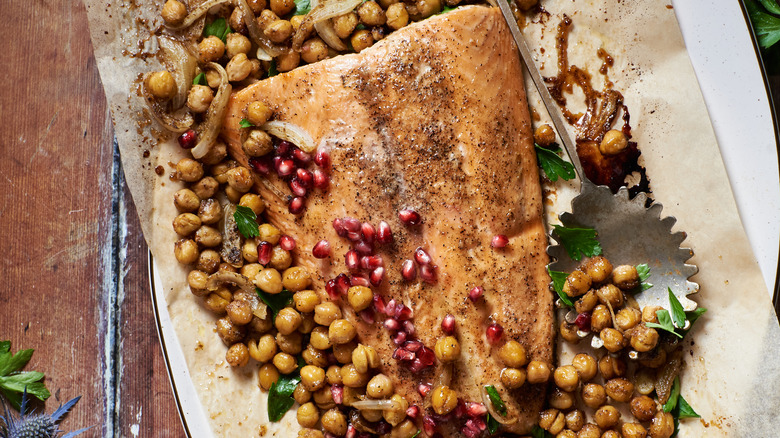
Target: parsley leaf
218	28
671	402
302	7
771	6
664	322
578	241
245	123
677	405
553	165
444	10
538	432
417	434
275	302
685	410
272	71
644	274
678	314
692	317
200	79
14	382
280	396
558	279
766	26
246	221
495	399
492	424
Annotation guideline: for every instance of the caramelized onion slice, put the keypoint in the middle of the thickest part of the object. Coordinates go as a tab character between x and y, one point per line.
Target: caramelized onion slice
183	65
489	405
209	129
265	46
292	133
166	120
231	240
665	378
197	13
220	277
377	405
325	10
326	31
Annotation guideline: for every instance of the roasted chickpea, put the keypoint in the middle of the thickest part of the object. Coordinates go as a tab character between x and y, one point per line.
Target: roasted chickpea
359	297
269	281
566	378
219	172
334	421
513	378
306	300
186	201
291	344
269	233
575	420
598	269
208	261
324	398
577	283
397	16
308	324
613	142
310	433
585	365
364	358
174	12
333	375
628	317
199	98
186	224
343	352
619	389
161	85
611	434
257	143
552	420
566	433
240	178
217	303
249	253
361	40
625	277
296	278
211	49
569	332
237	43
315	357
351	395
341	331
210	212
250	270
308	415
319	338
587	302
610	294
197	281
643	408
560	399
288	61
205	188
280	258
405	429
287	320
207	236
312	378
607	417
611	367
443	400
644	338
594	395
662	425
633	430
314	50
538	372
237	355
239	312
345	24
426	8
327	312
301	395
352	378
282	7
614	341
379	387
268	375
189	170
264	349
239	67
644	381
544	135
371	14
589	430
447	349
265	18
261	325
513	354
600	318
285	363
649	314
229	332
278	31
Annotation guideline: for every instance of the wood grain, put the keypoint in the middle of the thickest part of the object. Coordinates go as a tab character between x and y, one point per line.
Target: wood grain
74	262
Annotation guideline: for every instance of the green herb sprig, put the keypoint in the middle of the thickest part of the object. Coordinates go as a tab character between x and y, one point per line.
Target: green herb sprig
495	400
14	382
245	123
275	302
644	273
218	28
559	279
552	164
766	21
578	241
246	221
674	322
280	398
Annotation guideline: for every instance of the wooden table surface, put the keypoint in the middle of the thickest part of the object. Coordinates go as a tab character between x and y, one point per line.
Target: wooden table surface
74	260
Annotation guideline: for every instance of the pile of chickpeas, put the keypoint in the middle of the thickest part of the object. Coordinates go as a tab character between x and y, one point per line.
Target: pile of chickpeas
623	374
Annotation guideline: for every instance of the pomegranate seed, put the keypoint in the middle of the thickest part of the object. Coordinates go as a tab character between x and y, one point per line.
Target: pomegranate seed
499	241
297	187
352	260
188	139
322	159
297	205
429	425
390	308
427	356
409	217
301	157
261	165
285	168
379	303
392	324
476	293
469	432
399	338
264	251
384	234
428	273
368	316
283	148
480	423
305	178
409	328
321	180
413	411
337	391
494	333
401	354
424	389
351	224
408	270
351	432
368	232
364	248
475	409
583	321
287	243
332	290
460	409
377	275
413	346
329	435
422	257
321	250
403	313
448	324
339	227
354	236
360	280
343	284
371	262
416	366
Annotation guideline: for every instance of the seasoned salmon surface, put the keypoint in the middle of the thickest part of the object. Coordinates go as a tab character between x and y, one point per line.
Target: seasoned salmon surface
432	118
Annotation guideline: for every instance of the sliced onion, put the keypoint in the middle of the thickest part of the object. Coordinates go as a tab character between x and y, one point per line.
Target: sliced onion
496	416
220	277
231	239
377	405
326	31
165	119
210	128
444	378
292	133
325	10
665	379
197	13
258	37
183	65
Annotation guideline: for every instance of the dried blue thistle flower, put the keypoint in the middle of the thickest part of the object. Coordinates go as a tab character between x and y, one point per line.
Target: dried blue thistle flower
33	425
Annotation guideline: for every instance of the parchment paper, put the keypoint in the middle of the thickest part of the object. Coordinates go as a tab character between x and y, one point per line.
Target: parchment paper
732	374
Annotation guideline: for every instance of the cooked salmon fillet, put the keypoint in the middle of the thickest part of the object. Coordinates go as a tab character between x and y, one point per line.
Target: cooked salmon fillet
432	118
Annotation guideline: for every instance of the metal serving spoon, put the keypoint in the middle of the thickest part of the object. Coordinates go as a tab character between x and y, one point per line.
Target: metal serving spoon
629	233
